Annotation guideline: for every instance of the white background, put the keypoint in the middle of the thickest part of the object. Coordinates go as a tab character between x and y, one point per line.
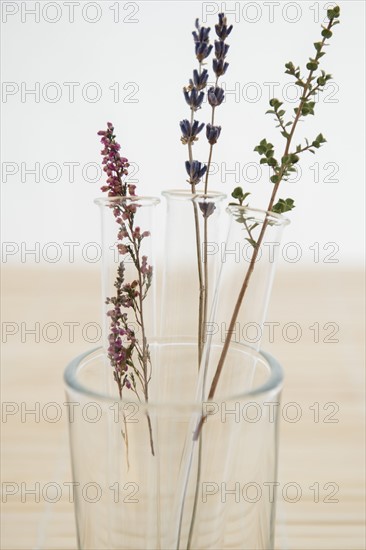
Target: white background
146	50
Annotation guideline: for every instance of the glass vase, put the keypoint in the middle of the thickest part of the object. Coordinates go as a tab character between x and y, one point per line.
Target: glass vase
194	223
248	259
128	290
127	498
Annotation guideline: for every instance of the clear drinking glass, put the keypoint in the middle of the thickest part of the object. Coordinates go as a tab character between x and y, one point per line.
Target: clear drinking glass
127	498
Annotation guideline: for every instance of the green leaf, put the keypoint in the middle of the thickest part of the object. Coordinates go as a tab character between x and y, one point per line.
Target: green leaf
320	138
237	193
312	65
333	12
283	205
290	68
275	103
252	242
272	162
327	33
308	108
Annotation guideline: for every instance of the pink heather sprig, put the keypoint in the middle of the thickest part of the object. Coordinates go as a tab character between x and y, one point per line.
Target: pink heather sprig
122	340
115	166
129	356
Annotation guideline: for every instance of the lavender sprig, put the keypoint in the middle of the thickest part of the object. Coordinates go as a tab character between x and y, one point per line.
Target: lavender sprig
129	355
215	94
194	95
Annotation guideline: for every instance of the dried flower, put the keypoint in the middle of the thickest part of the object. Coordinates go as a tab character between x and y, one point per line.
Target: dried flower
128	366
207	208
195	170
199	80
212	133
221	49
222	30
190	131
201	41
219	67
193	98
115	166
215	96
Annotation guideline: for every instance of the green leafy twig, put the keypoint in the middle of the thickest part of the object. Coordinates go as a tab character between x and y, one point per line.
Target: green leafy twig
281	169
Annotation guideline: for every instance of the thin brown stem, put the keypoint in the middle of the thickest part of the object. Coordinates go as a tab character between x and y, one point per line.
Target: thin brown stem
197	489
208	167
211	146
205	271
200	280
248	275
199	259
145	346
205	229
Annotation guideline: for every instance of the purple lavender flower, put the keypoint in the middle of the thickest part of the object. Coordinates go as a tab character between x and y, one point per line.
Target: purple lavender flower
202	51
202	33
195	171
207	208
222	30
219	67
193	98
218	64
212	133
201	40
215	96
199	80
221	49
190	131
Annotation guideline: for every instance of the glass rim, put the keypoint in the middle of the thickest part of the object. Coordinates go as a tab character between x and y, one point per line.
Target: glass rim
279	218
184	194
274	382
144	199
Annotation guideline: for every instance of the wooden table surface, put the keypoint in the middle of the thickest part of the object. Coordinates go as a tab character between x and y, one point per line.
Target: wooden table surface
321	453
